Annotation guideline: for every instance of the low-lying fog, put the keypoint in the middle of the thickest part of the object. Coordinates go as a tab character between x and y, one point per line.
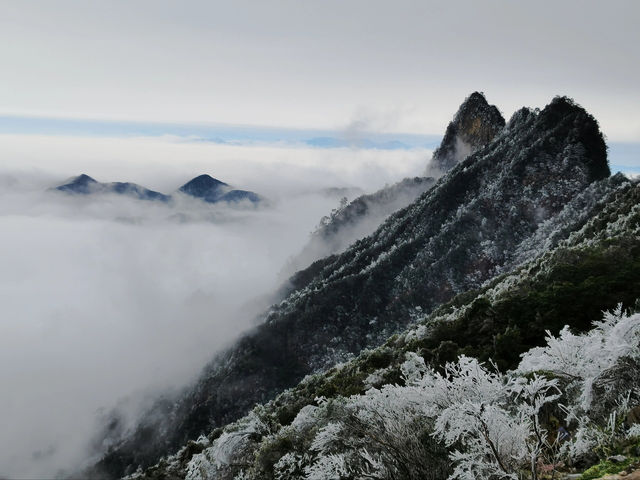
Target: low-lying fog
108	300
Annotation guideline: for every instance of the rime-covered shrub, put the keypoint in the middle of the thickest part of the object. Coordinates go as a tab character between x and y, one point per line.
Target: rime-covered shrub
601	370
584	359
232	451
383	434
490	420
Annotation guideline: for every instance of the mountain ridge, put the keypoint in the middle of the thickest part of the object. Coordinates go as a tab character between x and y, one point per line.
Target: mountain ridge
465	230
497	322
203	187
83	184
475	124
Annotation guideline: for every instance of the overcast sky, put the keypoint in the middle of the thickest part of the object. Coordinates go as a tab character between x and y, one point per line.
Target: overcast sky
399	66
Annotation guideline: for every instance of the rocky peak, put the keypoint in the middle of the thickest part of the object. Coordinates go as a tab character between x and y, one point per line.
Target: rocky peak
83	183
519	117
474	125
582	132
205	187
83	178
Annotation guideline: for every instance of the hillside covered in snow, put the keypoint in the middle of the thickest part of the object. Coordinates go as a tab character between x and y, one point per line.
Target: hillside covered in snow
429	348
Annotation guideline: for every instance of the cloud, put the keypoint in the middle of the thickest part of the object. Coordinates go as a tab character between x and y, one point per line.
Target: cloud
108	301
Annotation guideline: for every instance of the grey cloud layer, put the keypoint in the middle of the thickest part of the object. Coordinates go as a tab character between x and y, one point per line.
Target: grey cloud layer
106	301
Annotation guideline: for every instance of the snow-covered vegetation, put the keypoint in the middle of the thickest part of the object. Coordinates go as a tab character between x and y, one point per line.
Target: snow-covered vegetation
413	407
366	408
583	359
518	424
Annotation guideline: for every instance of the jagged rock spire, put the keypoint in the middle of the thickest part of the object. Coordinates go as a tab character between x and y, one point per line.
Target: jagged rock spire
474	125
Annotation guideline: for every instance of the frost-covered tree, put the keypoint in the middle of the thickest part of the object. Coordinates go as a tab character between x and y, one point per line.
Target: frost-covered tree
490	419
493	418
600	373
582	359
384	434
231	452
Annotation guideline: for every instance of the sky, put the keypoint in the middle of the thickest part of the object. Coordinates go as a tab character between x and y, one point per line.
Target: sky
400	66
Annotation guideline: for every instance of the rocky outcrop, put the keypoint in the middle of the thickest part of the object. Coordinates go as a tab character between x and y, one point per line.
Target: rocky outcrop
474	125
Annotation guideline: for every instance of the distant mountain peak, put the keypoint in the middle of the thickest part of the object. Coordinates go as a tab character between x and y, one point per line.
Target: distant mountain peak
83	184
205	180
83	178
205	187
235	196
474	125
212	190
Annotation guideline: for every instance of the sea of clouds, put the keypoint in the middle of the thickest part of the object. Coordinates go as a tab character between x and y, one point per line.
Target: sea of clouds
109	301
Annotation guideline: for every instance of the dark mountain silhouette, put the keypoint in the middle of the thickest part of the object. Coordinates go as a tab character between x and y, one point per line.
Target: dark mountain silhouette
212	190
84	185
203	187
240	195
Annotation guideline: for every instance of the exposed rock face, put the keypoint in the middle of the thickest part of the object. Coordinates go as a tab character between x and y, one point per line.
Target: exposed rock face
475	124
471	226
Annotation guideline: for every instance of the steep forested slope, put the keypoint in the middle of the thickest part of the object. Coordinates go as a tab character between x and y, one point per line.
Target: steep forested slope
596	268
357	219
480	220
